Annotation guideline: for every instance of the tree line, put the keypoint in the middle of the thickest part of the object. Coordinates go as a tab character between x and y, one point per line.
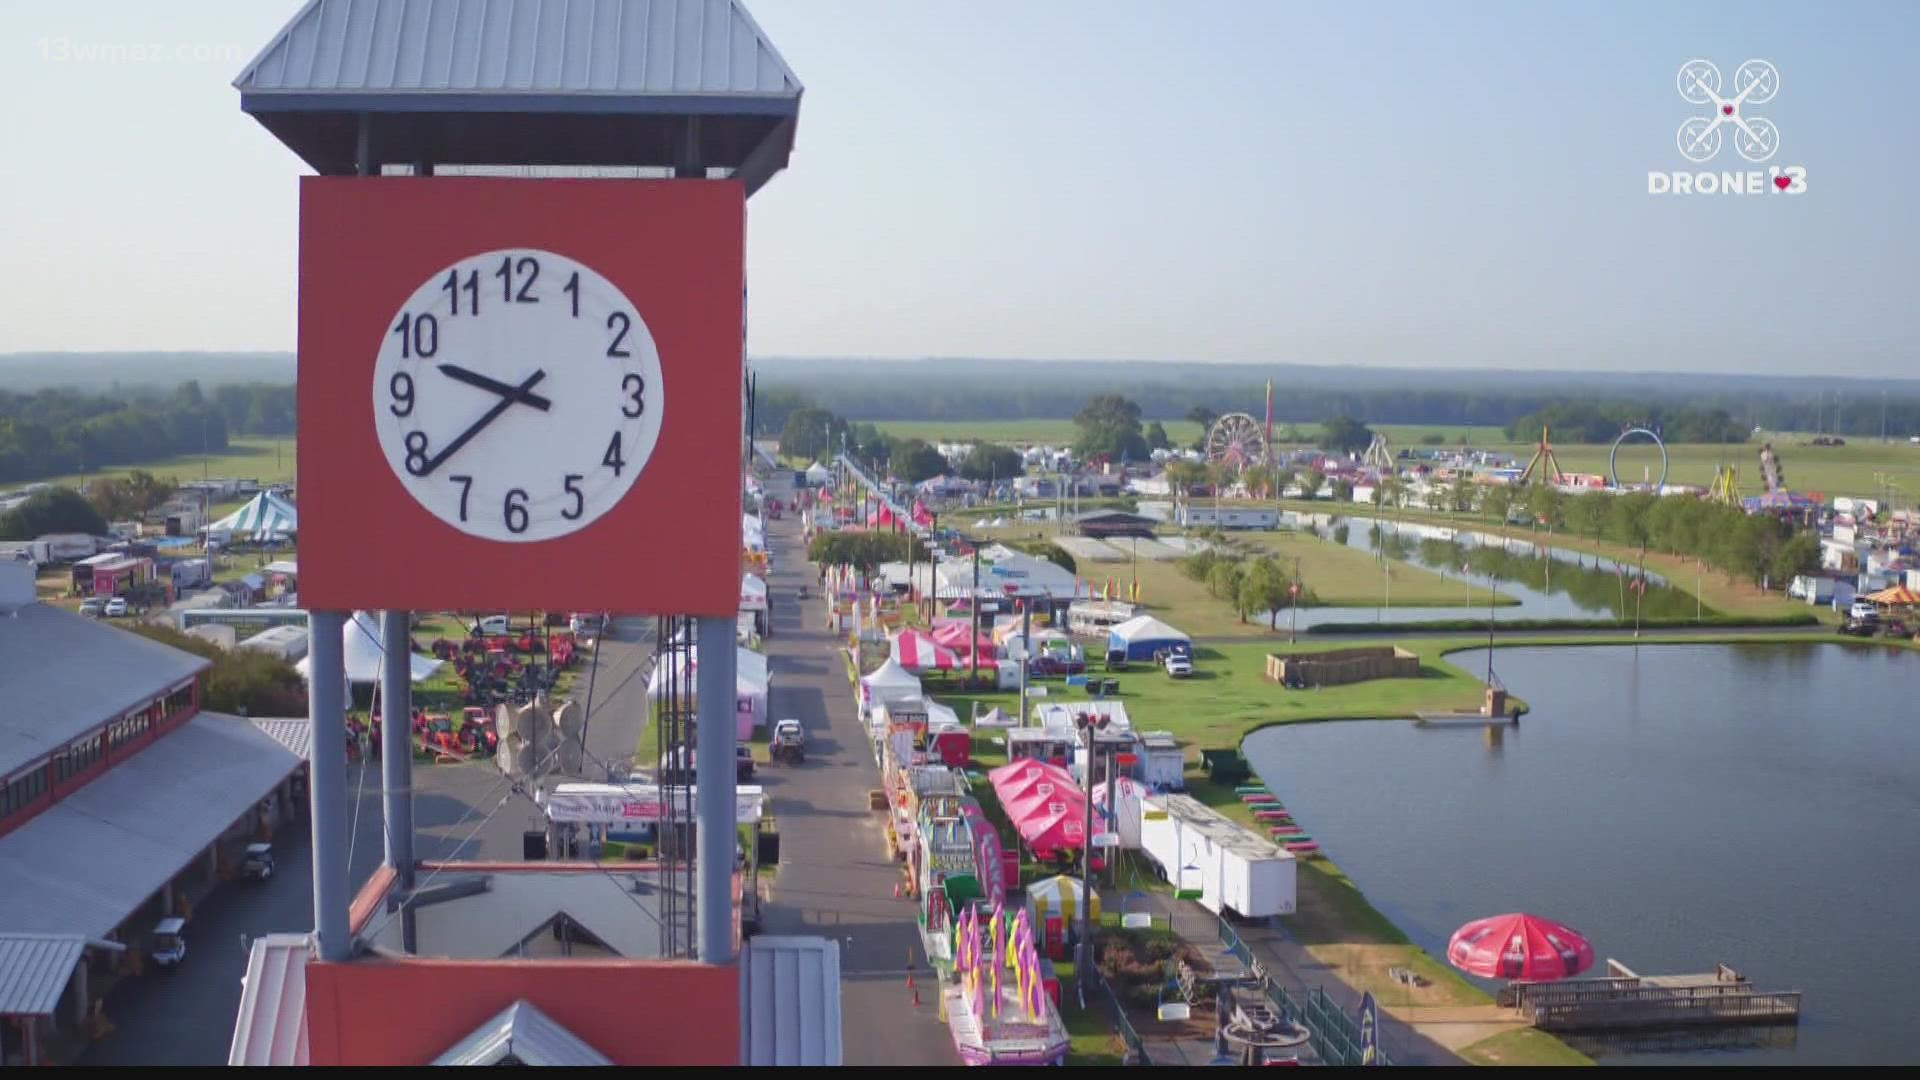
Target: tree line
1253	585
1599	422
810	433
51	432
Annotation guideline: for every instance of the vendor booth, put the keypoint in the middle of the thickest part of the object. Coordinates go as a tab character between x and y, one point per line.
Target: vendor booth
1143	635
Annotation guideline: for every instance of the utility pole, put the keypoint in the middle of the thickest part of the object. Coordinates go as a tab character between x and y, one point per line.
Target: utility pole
1026	654
973	608
1492	599
1083	953
1293	631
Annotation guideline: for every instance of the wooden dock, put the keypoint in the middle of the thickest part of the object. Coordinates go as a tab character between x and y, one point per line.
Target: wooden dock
1623	1001
1464	719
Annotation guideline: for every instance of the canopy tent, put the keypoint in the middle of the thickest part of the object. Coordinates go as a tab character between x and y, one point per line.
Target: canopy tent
818	474
1519	946
360	644
751	683
1060	826
1060	896
954	635
753	593
889	679
1143	635
264	515
1016	779
1041	800
753	533
1897	596
915	650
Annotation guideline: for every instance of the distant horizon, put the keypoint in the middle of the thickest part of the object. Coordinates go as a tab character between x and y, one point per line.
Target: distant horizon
1434	369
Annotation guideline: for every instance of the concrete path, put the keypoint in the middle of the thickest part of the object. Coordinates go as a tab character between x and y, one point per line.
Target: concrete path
834	876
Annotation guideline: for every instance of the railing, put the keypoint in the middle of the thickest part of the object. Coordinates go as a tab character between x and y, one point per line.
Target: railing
1335	1036
1136	1046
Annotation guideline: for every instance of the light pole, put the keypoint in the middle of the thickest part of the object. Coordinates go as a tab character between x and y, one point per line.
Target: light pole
1492	598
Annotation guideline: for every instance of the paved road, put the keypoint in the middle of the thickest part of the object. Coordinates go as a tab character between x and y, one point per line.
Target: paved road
185	1017
834	876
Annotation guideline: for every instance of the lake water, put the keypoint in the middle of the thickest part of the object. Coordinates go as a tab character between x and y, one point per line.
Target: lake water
1756	805
1550	582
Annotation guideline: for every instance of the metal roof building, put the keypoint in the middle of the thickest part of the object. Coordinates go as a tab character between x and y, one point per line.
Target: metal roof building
88	861
34	970
790	1001
66	675
682	85
272	1026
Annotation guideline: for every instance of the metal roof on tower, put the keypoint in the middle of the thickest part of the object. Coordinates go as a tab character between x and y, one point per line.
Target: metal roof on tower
678	84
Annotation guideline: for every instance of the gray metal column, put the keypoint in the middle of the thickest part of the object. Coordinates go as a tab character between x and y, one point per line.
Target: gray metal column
326	708
396	742
716	690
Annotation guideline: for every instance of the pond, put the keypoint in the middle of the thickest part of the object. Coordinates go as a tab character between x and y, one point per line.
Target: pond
1550	582
1756	805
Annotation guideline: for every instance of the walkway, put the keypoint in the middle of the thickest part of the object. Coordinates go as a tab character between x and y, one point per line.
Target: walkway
834	877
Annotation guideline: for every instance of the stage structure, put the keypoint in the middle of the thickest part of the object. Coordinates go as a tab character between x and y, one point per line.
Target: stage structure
1613	455
1237	442
521	304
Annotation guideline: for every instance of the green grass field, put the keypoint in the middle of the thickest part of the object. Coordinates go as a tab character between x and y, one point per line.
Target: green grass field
269	461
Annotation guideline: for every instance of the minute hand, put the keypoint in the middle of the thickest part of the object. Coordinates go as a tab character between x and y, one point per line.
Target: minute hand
479	425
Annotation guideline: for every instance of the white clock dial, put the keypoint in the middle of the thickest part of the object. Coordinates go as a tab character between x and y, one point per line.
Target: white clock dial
517	395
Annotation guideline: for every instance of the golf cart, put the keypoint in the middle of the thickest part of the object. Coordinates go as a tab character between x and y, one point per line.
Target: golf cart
167	946
789	742
257	863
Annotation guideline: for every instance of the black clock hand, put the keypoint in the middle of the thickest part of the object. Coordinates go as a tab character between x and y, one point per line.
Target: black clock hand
474	378
479	425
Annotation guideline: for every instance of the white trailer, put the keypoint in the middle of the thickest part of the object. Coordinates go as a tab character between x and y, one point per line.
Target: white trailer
68	547
1163	765
1210	859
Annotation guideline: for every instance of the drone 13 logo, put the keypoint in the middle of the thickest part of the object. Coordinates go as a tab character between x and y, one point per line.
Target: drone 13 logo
1702	136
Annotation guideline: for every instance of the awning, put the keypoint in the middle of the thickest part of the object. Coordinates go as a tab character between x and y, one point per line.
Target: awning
34	970
634	804
92	859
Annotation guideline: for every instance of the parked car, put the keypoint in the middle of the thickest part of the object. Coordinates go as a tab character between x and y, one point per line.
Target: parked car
742	763
1179	666
1863	609
166	945
116	608
93	608
1859	627
258	862
492	624
789	742
586	625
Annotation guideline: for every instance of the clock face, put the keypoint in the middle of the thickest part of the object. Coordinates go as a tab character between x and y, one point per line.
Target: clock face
517	395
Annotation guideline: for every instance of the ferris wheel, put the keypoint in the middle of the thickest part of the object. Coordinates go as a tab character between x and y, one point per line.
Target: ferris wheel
1237	441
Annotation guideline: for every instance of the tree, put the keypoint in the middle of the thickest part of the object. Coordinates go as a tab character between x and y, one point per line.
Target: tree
1800	554
1110	424
864	550
1344	435
1311	481
1496	503
1184	474
244	681
915	461
119	498
991	461
1264	588
56	510
808	434
1157	436
1223	580
1342	490
1202	415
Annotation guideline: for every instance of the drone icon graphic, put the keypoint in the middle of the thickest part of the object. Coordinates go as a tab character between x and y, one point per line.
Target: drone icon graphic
1755	83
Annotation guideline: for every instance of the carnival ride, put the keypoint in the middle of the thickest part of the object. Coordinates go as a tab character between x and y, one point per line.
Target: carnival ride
1613	455
1725	488
1379	455
1771	471
1237	441
1543	460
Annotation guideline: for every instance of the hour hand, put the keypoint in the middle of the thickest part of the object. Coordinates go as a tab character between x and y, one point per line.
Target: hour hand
507	391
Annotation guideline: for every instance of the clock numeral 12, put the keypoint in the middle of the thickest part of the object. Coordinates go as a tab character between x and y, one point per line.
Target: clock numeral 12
419	336
529	268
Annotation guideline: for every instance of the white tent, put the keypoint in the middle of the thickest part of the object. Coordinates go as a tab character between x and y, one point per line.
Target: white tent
750	678
888	679
753	532
1141	635
753	593
818	474
264	515
360	645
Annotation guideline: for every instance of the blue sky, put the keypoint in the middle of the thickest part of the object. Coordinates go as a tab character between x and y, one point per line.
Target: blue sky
1396	184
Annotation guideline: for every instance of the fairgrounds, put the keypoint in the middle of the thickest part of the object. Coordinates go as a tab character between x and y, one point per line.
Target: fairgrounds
1343	938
